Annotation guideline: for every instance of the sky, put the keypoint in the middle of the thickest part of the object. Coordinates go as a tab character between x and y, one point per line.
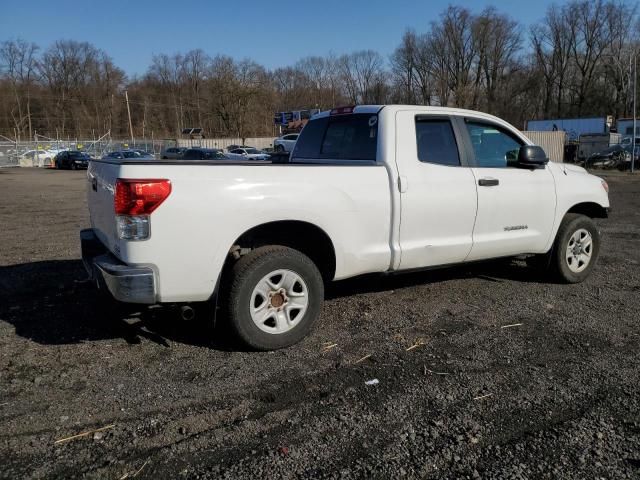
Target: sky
272	33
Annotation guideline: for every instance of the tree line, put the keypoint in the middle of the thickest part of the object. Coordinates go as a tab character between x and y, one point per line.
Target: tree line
576	61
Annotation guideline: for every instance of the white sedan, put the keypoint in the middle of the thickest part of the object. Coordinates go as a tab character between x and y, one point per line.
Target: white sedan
285	143
251	153
38	158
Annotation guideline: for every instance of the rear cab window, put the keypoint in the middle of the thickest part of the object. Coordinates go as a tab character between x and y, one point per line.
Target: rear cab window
340	138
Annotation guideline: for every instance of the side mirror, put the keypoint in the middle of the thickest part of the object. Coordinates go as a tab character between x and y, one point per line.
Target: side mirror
532	156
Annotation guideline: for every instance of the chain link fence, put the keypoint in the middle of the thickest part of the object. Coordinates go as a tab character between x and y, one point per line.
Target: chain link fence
42	153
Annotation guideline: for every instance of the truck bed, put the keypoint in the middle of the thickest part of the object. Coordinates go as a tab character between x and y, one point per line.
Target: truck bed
134	161
209	208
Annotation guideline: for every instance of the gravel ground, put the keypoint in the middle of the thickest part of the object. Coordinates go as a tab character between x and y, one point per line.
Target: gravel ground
509	377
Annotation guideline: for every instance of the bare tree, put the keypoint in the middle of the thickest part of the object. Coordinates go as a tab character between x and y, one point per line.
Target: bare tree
18	62
322	75
361	73
591	38
238	92
553	43
193	68
617	60
498	42
403	66
455	51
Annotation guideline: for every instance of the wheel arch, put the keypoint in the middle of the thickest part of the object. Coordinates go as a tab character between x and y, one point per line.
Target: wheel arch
306	237
589	209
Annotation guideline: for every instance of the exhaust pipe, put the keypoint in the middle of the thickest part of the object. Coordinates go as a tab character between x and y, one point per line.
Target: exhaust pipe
187	313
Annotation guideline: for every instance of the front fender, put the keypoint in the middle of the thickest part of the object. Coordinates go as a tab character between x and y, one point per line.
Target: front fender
576	189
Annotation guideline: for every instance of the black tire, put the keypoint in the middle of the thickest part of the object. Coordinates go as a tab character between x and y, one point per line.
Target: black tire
279	149
245	275
73	166
571	224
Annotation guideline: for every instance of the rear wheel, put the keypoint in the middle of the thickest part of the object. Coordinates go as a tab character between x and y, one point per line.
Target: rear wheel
274	298
576	248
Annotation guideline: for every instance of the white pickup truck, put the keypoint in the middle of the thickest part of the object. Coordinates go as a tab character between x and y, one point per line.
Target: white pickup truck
366	189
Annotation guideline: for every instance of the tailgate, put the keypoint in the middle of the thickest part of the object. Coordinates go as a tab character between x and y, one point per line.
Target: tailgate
101	178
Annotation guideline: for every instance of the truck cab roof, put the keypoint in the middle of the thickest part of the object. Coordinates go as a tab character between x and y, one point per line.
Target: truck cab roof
393	108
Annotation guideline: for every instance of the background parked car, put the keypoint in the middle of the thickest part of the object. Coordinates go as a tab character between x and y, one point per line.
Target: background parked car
40	158
626	164
251	153
612	157
172	153
233	147
210	154
204	154
72	159
133	154
285	143
144	153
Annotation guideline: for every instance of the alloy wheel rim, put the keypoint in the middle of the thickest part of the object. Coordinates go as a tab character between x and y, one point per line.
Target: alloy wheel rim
579	250
279	301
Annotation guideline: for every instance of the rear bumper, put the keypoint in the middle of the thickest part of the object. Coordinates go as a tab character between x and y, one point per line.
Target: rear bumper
124	282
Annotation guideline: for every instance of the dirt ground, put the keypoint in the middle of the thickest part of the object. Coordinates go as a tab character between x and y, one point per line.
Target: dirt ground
509	377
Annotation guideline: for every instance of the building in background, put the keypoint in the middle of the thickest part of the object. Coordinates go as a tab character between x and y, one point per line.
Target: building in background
574	127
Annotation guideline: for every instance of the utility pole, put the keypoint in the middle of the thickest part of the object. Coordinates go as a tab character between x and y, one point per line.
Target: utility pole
126	96
635	82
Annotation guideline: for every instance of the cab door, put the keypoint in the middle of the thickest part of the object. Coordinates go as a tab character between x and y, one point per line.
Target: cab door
516	206
438	198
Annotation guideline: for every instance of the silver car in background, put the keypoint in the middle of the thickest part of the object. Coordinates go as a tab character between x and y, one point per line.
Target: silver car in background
199	153
285	143
251	153
172	153
131	154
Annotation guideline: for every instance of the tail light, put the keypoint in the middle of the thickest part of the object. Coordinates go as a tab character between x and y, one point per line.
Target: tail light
140	197
134	200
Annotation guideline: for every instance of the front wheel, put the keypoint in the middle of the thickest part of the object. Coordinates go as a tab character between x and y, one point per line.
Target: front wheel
274	297
279	148
576	248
